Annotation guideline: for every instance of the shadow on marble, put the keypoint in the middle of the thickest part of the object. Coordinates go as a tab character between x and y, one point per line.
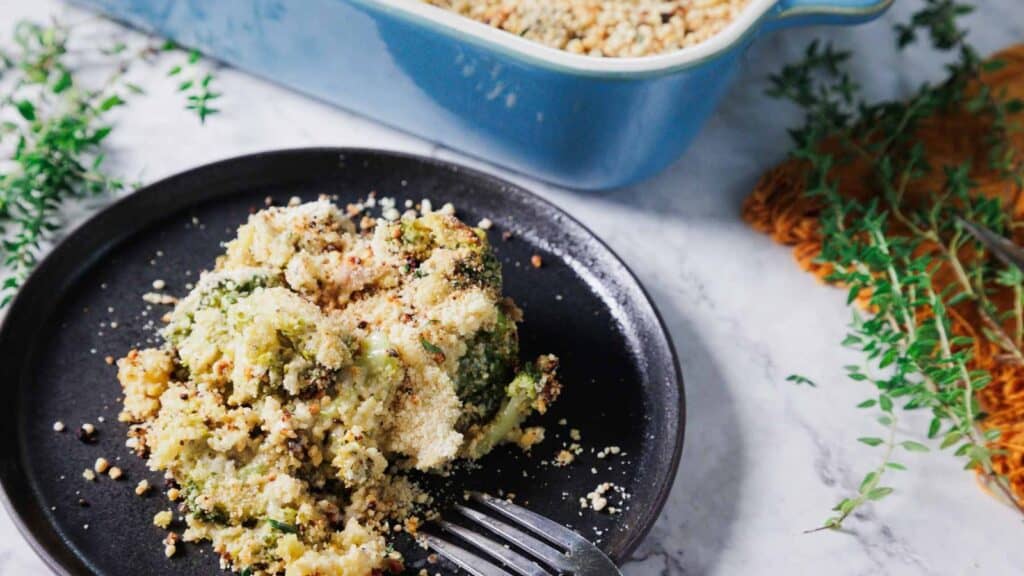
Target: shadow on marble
696	527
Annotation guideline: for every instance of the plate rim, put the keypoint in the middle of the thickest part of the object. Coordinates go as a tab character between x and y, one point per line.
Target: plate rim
634	536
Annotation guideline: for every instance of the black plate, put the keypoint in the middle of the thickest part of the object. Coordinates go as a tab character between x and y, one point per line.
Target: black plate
622	380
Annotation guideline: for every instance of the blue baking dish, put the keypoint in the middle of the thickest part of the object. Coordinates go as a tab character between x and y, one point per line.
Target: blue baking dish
578	121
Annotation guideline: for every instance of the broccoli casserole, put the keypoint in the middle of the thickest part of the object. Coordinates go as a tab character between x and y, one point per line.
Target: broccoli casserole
610	28
312	367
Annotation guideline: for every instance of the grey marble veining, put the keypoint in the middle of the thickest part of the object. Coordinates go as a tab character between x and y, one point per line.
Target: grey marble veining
764	460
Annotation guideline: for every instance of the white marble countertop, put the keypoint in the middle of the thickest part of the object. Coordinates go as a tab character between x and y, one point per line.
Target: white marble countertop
764	460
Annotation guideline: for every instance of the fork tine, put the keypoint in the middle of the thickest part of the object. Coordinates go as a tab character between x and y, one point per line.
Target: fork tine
540	550
520	564
468	561
540	525
1005	250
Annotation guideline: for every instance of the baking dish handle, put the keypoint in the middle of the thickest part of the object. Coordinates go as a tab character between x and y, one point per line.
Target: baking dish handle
788	13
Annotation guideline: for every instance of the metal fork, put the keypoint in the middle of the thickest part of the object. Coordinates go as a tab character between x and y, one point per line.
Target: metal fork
1005	250
546	546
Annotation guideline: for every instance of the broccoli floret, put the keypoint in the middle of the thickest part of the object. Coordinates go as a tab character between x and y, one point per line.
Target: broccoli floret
380	360
228	291
217	290
480	269
533	389
484	370
213	513
417	239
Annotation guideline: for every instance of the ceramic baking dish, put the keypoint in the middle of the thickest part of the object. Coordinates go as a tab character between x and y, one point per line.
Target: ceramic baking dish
574	120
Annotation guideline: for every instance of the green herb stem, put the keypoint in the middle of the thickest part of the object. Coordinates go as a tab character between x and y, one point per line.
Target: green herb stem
908	338
54	128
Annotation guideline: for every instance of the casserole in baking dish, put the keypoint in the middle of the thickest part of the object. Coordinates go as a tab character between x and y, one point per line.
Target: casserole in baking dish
575	120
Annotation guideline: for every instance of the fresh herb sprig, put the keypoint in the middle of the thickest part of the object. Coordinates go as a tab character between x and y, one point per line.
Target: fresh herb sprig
887	250
53	126
195	84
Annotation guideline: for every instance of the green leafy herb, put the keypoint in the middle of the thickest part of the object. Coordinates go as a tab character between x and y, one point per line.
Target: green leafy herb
912	358
798	380
283	526
52	130
431	347
197	85
53	141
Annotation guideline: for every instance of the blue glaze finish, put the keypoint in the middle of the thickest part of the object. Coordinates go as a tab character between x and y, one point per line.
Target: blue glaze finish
790	13
576	121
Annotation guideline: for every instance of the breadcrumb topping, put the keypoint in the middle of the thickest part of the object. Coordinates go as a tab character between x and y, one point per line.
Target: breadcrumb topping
605	28
163	519
315	364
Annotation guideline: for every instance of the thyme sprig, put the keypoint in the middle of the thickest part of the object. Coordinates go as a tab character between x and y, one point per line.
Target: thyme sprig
887	250
195	84
54	136
53	126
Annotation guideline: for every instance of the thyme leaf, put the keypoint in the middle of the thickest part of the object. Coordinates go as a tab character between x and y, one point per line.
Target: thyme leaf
430	346
197	86
282	526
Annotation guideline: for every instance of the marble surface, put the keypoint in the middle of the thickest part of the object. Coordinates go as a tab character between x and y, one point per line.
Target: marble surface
764	459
